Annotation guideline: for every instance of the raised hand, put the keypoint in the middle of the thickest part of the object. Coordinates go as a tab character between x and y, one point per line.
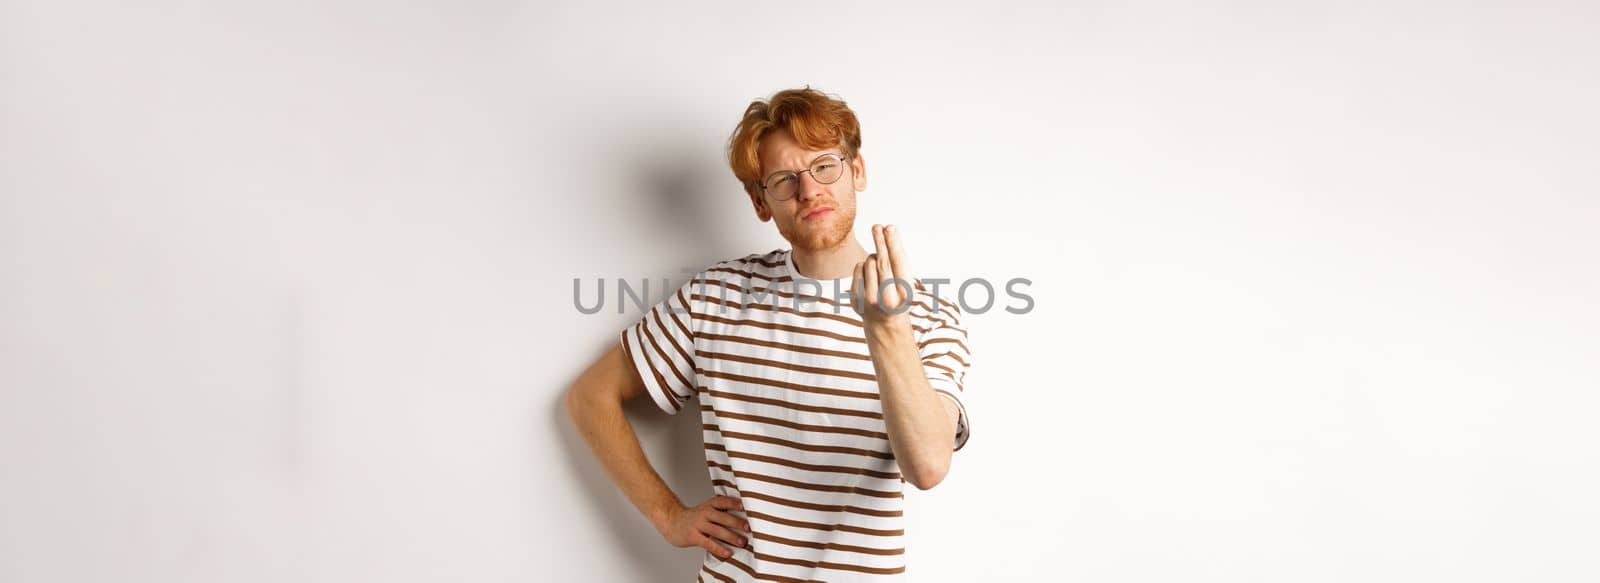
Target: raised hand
883	283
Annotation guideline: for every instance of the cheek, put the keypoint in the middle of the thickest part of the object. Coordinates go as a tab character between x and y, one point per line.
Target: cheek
846	197
786	223
847	200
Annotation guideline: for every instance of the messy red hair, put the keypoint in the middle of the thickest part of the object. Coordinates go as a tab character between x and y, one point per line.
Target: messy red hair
817	121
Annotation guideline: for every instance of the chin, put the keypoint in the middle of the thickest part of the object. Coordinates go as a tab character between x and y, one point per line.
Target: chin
821	237
827	234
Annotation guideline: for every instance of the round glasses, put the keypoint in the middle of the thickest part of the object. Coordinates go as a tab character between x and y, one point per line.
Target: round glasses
826	169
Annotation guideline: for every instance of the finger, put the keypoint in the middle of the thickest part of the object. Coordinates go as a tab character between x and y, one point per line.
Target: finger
877	241
857	287
713	546
871	283
881	248
856	280
897	254
725	536
905	282
726	503
729	521
888	292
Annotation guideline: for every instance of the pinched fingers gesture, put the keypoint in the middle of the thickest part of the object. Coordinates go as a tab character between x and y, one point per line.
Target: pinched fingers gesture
883	283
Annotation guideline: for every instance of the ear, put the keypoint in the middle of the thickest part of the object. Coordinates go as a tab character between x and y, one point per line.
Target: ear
858	172
760	204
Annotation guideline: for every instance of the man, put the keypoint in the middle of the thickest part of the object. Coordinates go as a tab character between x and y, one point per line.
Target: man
816	409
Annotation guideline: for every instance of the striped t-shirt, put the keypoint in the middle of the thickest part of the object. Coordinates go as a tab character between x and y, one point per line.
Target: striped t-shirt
790	411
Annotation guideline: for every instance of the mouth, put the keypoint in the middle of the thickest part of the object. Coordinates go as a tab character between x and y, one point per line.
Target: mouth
817	213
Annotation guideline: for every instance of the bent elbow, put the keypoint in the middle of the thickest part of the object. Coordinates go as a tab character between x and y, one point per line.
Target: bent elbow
927	479
574	401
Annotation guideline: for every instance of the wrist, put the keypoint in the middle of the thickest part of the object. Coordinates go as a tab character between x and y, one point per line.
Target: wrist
661	518
890	332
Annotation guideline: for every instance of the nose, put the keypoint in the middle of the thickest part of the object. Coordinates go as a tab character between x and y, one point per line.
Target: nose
809	188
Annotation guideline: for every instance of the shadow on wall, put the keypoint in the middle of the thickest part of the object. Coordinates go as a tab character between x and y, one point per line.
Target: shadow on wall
681	203
693	208
684	196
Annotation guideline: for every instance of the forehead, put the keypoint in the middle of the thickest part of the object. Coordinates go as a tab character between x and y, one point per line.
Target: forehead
780	151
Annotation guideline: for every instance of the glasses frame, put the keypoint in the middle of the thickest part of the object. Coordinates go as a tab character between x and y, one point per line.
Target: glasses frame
843	159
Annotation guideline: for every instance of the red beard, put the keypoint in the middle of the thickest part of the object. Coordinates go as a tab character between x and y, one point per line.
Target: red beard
827	232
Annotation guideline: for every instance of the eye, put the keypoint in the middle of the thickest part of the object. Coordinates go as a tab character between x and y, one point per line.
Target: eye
826	166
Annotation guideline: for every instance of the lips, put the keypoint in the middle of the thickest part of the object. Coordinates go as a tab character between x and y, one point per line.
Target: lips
816	213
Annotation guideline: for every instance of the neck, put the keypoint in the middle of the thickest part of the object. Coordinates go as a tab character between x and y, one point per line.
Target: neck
839	261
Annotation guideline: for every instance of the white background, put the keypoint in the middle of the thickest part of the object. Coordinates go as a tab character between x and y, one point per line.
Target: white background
286	288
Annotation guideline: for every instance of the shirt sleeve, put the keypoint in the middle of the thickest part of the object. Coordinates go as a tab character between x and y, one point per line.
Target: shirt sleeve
946	358
661	346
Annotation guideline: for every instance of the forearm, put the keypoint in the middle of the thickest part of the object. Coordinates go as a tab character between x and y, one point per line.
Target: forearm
918	423
610	436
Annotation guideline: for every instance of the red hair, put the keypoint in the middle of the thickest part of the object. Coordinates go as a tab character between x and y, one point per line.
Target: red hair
817	121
